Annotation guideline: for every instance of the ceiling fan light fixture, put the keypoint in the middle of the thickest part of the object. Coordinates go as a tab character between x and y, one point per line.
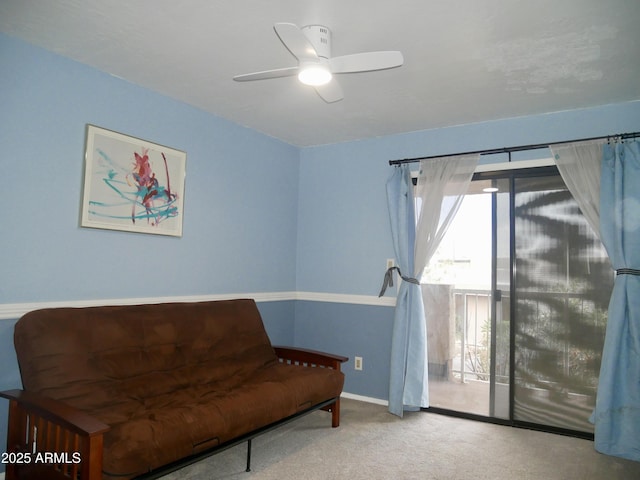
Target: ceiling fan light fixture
315	75
311	46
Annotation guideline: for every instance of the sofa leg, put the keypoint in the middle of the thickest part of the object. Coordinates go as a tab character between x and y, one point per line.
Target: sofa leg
335	414
248	456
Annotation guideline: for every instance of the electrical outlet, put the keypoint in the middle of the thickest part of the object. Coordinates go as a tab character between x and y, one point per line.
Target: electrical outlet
358	363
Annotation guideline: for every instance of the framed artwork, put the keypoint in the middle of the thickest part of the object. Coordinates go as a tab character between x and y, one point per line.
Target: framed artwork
132	185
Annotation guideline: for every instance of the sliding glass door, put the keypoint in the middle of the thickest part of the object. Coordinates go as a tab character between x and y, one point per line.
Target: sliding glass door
516	300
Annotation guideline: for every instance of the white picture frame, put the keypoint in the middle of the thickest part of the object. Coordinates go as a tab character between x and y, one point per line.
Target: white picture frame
132	184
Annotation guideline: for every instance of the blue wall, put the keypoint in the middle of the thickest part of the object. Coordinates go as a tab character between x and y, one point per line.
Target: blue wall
239	231
350	330
343	227
240	223
260	215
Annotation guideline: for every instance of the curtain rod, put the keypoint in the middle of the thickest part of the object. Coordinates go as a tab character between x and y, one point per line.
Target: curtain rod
622	136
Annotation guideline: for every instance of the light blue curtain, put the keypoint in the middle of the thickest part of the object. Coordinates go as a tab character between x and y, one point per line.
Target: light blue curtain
408	387
617	413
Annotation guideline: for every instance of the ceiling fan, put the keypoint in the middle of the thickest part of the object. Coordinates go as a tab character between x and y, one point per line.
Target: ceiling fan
311	45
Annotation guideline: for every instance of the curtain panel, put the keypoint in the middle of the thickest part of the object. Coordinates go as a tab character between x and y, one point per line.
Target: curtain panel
408	377
579	165
441	186
617	413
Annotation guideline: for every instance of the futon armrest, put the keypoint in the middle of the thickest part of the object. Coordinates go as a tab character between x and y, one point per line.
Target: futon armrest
38	425
57	412
304	356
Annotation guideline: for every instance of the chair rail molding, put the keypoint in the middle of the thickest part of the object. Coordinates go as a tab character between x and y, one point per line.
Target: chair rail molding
11	311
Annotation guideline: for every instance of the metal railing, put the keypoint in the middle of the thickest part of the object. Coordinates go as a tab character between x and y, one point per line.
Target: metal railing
472	310
472	317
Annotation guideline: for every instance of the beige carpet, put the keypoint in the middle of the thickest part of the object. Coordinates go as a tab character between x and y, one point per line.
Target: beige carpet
373	444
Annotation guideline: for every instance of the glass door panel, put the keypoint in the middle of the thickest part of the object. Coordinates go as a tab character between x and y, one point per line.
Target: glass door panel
465	290
563	282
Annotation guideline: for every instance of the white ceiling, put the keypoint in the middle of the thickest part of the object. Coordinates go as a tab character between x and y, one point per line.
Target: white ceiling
465	61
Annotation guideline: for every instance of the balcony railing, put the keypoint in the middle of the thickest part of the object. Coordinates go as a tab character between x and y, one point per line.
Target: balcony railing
472	312
549	321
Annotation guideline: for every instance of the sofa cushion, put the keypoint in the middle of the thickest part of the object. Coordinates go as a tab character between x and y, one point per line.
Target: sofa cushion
172	426
95	356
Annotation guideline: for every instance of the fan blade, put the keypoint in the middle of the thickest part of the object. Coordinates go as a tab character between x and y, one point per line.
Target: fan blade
330	92
295	41
365	62
280	72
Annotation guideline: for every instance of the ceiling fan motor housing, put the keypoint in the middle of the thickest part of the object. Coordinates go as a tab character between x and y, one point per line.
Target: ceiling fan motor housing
320	37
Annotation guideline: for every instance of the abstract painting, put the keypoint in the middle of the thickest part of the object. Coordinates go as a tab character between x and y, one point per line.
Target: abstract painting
132	185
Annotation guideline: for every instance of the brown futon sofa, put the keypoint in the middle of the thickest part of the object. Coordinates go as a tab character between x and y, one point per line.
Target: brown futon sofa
118	392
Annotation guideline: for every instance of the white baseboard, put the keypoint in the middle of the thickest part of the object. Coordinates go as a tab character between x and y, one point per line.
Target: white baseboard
362	398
